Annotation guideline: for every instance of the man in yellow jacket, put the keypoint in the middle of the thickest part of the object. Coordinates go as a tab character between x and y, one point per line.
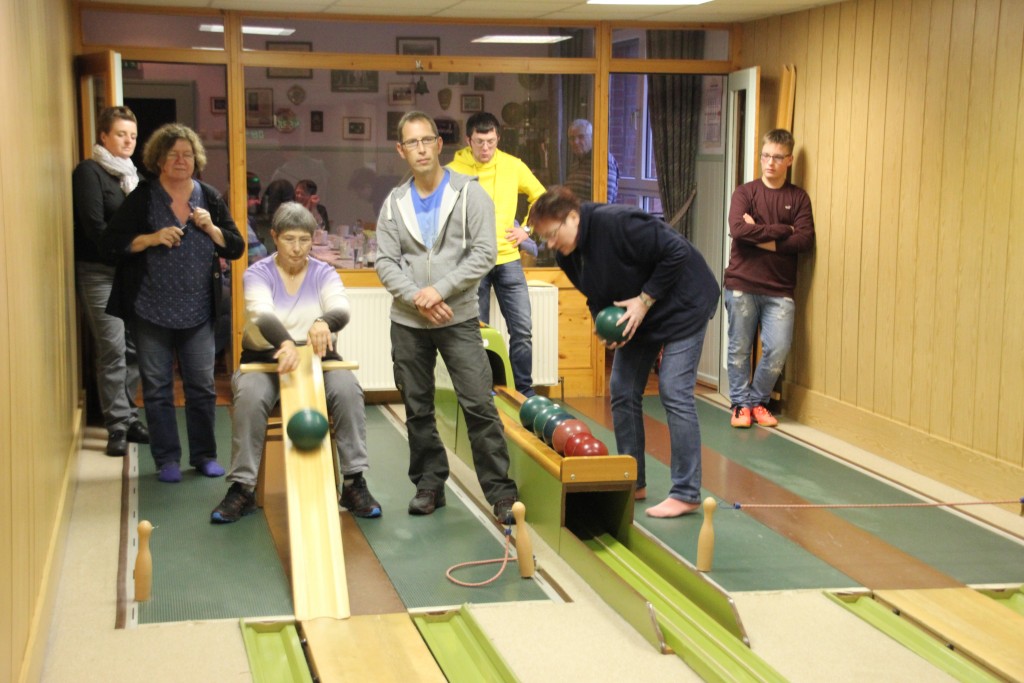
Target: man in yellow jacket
504	177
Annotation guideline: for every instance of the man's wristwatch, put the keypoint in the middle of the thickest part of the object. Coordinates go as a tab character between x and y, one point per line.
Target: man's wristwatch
646	300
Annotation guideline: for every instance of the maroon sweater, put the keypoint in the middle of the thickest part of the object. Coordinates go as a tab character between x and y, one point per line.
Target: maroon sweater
755	270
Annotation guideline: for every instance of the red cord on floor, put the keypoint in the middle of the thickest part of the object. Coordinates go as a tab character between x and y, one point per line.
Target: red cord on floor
504	562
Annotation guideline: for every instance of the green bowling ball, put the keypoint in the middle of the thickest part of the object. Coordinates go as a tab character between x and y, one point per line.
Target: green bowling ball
606	327
552	424
307	429
542	417
530	408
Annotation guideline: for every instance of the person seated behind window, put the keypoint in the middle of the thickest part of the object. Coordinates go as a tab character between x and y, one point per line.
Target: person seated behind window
305	194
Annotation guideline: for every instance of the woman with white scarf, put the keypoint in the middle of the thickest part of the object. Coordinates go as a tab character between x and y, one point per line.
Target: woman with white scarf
99	186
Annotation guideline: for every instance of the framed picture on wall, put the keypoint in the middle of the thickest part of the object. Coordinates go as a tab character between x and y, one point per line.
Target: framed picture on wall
418	47
356	128
259	107
485	82
344	80
316	122
400	94
458	78
393	118
218	105
288	46
472	103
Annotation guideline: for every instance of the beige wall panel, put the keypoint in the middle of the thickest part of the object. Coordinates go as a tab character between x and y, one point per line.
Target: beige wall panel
811	318
998	194
38	413
892	166
826	277
905	309
1010	447
935	85
874	154
857	136
910	185
969	346
948	235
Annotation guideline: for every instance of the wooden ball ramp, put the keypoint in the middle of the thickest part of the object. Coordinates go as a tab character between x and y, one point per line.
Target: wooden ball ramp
327	643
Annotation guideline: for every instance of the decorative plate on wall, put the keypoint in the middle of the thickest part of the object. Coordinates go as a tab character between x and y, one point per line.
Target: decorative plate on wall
531	81
296	94
512	113
285	120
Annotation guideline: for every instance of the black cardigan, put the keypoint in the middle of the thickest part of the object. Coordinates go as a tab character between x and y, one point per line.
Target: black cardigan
621	251
132	220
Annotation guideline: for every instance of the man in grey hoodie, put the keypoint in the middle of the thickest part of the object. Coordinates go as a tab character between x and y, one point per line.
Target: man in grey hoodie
435	240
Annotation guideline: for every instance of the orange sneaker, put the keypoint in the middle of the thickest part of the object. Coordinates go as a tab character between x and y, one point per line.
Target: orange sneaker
741	417
764	417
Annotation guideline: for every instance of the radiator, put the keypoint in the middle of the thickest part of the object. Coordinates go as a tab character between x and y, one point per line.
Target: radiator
367	338
544	311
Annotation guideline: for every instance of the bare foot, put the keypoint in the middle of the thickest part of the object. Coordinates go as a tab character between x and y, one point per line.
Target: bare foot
640	494
670	507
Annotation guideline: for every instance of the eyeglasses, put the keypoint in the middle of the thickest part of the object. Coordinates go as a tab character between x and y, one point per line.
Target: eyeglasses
777	158
426	141
477	142
174	156
551	235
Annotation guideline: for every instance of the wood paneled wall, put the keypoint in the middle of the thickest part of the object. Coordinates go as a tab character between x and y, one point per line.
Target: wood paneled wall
39	413
910	140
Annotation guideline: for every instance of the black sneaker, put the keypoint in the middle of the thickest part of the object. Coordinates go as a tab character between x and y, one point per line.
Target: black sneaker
238	503
357	499
117	443
138	433
503	510
426	501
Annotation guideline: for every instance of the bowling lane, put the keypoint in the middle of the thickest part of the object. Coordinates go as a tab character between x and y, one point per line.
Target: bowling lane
879	547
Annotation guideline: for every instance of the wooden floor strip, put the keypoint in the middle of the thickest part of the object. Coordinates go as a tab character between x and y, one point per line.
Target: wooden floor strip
860	555
974	625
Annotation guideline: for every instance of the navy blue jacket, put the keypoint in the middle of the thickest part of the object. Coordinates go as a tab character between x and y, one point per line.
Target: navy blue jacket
621	251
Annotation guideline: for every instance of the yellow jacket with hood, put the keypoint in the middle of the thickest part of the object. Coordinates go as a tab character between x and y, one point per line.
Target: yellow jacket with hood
504	177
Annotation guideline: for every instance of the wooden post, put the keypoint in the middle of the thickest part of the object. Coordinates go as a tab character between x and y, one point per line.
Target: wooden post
144	564
524	544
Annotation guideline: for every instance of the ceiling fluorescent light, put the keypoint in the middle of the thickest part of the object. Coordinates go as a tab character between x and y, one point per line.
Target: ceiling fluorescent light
646	2
528	40
251	30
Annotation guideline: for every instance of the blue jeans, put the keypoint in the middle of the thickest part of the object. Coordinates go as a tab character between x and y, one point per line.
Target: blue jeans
775	316
414	351
513	296
157	347
117	372
676	380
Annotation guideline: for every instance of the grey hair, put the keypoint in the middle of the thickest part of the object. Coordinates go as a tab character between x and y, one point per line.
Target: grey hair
292	216
583	124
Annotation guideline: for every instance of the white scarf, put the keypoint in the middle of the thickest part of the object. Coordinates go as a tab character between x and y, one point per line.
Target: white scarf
119	167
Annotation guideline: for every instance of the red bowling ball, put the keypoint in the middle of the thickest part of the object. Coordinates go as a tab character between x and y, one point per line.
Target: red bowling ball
565	430
580	445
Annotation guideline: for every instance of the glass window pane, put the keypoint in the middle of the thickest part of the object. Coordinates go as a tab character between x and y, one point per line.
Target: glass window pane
336	128
417	38
101	27
714	43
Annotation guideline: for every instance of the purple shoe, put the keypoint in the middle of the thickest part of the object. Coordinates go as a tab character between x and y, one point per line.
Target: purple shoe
210	468
169	473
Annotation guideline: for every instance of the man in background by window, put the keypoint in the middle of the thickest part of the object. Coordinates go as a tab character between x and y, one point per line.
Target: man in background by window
504	177
770	221
581	166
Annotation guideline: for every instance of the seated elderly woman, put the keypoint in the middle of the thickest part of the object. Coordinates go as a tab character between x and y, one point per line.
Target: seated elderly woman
291	300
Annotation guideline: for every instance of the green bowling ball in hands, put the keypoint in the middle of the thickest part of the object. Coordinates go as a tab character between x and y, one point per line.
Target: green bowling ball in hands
606	327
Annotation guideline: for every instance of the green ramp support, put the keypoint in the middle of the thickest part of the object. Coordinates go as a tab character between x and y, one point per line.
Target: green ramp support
912	638
275	652
1012	598
461	648
712	650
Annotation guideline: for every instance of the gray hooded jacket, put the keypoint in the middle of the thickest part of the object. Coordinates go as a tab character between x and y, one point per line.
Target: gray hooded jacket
464	250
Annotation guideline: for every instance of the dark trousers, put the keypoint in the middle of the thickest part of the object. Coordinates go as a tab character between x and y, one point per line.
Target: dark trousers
414	352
